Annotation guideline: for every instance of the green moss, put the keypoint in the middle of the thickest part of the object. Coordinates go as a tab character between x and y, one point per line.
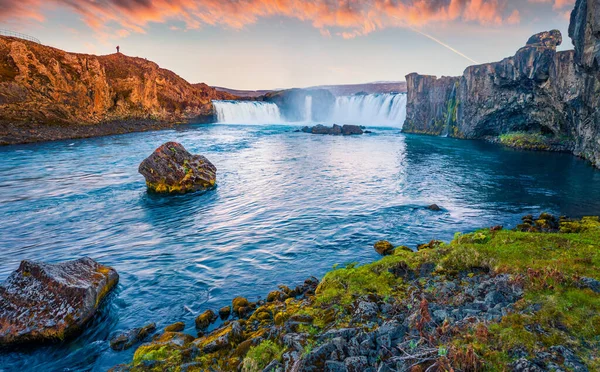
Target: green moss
528	141
258	357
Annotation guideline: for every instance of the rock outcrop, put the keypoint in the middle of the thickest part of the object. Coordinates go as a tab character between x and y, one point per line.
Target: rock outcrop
172	169
43	88
335	130
538	91
44	303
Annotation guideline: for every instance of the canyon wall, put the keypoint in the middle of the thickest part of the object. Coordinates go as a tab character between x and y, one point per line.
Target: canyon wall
538	90
43	88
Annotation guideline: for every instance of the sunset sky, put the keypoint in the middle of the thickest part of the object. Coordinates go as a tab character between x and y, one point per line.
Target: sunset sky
267	44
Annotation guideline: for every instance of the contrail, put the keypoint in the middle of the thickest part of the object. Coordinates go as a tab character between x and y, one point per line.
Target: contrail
438	41
443	44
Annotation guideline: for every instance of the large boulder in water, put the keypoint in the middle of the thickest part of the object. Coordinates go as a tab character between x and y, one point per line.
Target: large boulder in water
172	169
43	302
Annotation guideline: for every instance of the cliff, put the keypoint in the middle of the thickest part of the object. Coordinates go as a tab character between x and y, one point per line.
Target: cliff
47	93
540	92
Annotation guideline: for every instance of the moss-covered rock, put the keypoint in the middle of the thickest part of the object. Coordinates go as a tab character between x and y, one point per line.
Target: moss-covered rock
171	169
383	247
204	320
491	300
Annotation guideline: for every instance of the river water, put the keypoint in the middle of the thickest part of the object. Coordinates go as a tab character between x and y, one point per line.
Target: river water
287	206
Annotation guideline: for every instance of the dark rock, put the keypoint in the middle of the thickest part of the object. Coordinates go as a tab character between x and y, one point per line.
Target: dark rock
356	364
51	302
591	283
546	39
384	248
348	130
434	208
402	270
295	341
175	327
335	130
366	310
127	339
315	360
204	320
224	312
569	359
524	365
333	366
274	366
172	169
493	298
344	333
427	268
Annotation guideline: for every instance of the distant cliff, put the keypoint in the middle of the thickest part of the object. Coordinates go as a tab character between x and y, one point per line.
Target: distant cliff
47	93
539	91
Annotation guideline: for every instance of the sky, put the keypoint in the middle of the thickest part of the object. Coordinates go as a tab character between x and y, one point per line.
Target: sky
273	44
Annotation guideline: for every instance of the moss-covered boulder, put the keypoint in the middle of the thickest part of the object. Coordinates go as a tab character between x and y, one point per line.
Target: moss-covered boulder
204	320
51	302
384	248
172	169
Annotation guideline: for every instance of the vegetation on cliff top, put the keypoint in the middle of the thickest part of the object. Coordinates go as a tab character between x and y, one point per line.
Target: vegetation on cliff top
488	300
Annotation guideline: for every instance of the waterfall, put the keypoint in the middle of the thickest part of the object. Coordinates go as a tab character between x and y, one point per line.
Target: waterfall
385	109
308	109
247	112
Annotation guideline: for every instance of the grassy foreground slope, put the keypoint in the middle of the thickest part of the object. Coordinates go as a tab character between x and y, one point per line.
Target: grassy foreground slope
492	300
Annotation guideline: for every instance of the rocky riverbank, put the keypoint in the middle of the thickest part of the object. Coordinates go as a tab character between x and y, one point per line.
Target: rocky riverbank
550	96
48	94
494	300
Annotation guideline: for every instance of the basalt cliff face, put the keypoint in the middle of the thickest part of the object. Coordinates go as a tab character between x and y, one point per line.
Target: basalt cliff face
47	93
538	91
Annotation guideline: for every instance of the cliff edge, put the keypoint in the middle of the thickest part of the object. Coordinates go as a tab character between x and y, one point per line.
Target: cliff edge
47	93
538	99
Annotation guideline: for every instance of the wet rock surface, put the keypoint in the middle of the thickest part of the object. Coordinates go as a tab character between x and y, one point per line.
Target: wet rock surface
126	340
51	302
172	169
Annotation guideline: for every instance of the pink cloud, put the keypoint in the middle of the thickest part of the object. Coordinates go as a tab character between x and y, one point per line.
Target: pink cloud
346	18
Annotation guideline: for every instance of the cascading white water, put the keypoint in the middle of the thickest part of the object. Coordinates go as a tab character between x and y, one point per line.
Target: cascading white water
385	109
247	112
308	109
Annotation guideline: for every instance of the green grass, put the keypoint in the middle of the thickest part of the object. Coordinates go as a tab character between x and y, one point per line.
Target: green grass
260	356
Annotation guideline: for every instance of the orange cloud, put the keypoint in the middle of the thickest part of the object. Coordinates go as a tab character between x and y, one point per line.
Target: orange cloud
346	18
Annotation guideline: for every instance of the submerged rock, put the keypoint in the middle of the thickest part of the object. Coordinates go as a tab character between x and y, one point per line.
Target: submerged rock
172	169
51	302
434	208
125	340
335	130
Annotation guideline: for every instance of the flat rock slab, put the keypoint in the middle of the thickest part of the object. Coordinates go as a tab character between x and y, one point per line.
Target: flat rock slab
172	169
335	130
50	302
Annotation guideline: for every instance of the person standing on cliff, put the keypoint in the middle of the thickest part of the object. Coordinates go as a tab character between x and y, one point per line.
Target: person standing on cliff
118	49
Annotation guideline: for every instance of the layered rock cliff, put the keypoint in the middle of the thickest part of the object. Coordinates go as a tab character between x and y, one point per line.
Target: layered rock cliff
43	88
538	90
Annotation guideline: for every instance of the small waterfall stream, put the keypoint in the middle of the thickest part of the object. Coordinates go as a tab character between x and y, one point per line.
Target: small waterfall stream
247	112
